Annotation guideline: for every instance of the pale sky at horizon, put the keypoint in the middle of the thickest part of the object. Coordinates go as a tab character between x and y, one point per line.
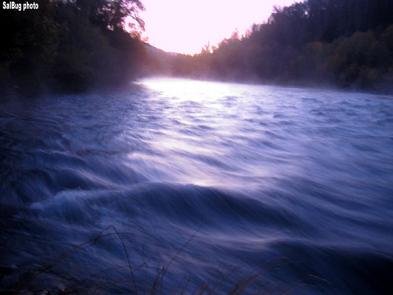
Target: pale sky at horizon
186	26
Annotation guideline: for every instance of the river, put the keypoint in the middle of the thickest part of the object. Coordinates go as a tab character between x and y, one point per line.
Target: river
176	185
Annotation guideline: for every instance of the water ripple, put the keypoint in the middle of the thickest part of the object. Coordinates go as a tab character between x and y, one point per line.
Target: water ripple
220	181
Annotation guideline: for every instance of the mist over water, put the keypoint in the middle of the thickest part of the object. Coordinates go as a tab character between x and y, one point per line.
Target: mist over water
287	189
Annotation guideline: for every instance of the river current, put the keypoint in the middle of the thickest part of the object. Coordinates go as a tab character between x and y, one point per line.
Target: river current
189	186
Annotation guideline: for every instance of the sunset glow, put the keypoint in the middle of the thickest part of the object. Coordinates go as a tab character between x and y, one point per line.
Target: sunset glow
186	26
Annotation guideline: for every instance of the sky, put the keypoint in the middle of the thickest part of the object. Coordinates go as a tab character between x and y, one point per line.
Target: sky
186	26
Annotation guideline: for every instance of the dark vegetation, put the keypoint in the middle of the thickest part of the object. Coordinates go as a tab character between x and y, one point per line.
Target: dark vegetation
348	43
142	278
70	45
76	45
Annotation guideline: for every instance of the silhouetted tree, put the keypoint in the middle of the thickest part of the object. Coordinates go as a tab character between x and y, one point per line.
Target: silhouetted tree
70	45
348	42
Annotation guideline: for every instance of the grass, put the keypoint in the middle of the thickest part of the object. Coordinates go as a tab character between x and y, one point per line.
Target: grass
143	285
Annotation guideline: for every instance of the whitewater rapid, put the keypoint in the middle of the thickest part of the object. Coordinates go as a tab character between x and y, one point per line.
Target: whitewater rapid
200	184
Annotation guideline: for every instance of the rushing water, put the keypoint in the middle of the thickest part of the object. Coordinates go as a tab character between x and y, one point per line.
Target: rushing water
178	185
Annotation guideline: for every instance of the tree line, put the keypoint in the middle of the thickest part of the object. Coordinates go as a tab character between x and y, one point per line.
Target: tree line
348	43
76	45
70	45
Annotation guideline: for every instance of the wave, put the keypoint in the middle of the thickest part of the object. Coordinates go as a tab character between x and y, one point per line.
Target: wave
268	191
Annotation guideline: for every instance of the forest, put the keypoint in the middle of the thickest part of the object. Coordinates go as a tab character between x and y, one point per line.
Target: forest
344	43
79	45
70	46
